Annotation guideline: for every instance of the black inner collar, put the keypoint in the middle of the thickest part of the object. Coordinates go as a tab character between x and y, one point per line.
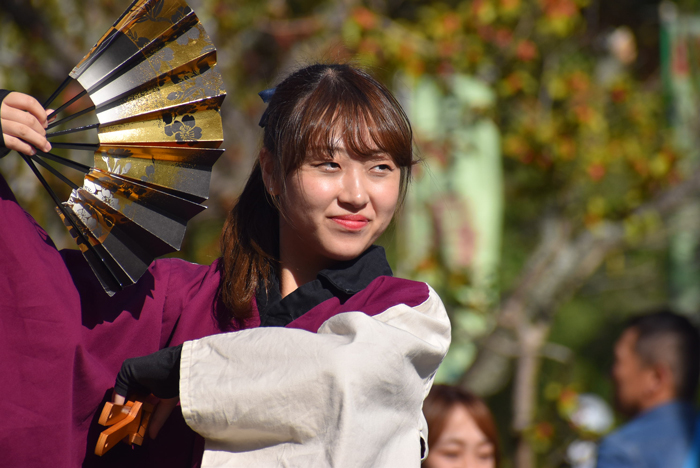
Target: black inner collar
342	281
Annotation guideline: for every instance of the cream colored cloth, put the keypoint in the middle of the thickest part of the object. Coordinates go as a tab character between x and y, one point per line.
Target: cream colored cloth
349	395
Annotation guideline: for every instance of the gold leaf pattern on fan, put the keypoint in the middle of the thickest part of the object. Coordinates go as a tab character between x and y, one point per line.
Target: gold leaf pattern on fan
154	18
153	131
202	83
184	170
145	20
79	240
97	222
171	60
156	93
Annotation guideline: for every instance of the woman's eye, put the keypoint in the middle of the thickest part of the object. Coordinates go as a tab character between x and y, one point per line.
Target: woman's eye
383	168
451	453
328	166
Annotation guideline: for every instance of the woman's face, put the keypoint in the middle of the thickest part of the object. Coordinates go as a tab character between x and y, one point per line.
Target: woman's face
461	444
334	209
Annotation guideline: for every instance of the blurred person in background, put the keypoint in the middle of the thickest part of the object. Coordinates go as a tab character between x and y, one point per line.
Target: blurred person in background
655	374
461	430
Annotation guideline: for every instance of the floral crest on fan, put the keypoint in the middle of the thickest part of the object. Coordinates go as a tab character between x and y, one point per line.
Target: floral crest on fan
116	167
184	130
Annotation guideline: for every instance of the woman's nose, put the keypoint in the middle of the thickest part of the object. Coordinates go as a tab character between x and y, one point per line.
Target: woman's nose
354	189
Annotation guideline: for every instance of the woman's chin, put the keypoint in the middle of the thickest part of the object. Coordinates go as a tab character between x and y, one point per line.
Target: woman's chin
346	254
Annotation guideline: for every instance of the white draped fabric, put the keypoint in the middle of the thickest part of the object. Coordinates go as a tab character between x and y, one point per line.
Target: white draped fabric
349	395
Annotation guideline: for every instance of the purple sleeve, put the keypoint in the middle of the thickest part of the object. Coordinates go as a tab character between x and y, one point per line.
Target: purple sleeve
62	342
36	300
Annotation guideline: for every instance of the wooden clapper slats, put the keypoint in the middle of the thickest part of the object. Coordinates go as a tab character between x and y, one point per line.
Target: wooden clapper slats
126	423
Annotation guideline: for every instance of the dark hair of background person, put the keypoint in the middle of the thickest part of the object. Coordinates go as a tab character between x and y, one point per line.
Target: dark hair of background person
670	338
439	403
307	111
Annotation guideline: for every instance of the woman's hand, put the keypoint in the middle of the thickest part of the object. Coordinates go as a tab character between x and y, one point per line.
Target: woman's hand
160	415
23	121
157	373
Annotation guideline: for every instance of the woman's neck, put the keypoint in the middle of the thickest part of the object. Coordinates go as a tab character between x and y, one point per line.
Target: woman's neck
297	267
290	280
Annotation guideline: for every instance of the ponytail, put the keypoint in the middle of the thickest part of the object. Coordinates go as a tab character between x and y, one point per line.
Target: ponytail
249	245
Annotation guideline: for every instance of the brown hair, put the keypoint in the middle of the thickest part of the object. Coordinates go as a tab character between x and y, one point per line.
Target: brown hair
310	108
439	403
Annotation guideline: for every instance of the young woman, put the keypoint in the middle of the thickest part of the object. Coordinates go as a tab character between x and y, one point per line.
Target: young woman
330	357
462	430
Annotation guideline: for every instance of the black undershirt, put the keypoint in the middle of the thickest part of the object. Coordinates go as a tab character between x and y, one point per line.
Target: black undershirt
342	281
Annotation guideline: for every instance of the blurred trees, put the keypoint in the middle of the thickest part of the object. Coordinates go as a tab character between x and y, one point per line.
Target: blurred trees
590	168
546	156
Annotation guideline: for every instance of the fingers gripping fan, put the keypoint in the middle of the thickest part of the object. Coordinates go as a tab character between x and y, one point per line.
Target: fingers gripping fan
152	92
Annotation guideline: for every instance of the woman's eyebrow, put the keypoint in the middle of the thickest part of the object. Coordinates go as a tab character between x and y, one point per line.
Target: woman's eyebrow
319	155
379	154
324	147
454	440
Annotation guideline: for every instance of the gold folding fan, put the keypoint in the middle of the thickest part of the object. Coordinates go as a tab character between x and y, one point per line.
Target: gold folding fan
152	85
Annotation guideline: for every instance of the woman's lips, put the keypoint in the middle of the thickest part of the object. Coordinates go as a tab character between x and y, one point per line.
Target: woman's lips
352	222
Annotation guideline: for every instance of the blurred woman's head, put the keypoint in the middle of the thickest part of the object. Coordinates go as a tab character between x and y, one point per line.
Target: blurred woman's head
461	430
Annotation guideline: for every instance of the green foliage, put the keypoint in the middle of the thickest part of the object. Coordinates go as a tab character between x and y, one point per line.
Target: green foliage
583	139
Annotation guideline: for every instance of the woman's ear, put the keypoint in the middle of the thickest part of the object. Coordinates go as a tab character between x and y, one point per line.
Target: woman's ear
267	165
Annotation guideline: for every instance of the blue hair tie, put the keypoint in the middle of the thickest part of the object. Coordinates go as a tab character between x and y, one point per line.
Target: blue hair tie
266	95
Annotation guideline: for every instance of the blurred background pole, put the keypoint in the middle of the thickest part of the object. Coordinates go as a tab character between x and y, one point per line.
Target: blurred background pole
680	59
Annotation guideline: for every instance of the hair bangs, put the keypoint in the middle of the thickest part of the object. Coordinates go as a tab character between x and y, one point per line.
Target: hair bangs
346	107
373	122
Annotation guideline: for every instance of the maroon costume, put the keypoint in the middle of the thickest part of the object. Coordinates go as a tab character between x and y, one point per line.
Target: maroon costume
63	340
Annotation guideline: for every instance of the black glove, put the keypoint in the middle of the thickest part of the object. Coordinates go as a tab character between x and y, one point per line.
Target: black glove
157	373
3	149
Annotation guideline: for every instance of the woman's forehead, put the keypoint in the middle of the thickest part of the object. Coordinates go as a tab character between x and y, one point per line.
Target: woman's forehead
349	137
